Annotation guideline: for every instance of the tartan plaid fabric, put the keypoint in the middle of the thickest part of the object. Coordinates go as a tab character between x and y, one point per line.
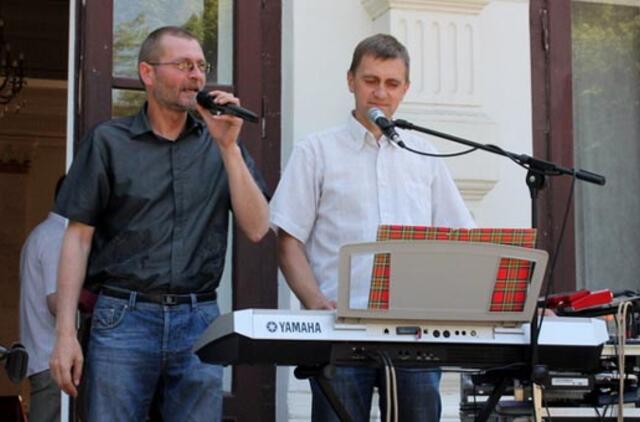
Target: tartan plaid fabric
513	275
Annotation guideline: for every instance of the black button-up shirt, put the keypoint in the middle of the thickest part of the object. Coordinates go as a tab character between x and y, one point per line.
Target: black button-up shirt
160	208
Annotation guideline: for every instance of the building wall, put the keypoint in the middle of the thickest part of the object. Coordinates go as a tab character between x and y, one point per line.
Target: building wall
470	77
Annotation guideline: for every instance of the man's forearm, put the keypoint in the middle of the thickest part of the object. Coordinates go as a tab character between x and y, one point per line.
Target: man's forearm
71	273
297	271
250	207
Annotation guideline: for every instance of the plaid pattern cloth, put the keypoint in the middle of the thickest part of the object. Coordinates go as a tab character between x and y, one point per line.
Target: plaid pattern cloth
512	279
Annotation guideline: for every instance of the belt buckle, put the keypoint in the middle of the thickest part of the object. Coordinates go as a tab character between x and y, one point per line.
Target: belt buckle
169	300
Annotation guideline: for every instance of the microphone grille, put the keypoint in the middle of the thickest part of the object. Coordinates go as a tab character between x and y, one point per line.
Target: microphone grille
374	114
203	98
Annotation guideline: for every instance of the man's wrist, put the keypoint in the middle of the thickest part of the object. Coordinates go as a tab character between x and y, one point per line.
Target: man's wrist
231	148
67	333
230	152
66	329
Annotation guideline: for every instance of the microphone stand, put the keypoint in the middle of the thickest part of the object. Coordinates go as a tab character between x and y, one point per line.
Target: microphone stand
537	171
535	165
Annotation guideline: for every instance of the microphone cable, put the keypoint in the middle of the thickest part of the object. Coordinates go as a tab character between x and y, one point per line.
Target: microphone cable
556	252
428	154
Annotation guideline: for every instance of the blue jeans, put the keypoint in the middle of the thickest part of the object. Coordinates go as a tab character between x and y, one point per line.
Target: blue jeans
137	348
418	395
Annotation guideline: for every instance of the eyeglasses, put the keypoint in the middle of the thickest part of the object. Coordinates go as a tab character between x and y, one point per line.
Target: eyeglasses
185	65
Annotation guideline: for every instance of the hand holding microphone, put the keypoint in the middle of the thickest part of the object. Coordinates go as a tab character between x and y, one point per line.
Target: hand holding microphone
222	121
206	100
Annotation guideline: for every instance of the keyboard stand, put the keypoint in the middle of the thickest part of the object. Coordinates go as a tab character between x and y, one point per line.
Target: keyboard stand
493	399
322	374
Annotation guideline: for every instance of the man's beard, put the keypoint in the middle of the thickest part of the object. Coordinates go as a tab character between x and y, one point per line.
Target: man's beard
175	102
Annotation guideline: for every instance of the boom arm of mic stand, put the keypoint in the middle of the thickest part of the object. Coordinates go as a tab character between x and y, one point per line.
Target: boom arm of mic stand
535	164
549	168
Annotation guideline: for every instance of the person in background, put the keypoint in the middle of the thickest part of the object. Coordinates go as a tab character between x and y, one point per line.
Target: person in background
38	270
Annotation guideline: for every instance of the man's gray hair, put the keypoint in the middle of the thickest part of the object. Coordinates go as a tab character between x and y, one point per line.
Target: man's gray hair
150	49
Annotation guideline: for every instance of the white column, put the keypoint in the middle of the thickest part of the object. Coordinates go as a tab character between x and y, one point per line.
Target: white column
443	39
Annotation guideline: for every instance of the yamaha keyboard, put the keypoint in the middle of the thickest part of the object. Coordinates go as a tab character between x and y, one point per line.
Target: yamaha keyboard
281	337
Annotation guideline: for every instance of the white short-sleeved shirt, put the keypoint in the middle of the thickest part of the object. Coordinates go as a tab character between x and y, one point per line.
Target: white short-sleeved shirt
341	184
38	271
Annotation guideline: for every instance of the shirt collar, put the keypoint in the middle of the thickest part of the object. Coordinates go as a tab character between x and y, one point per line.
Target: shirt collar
361	136
141	125
193	124
57	218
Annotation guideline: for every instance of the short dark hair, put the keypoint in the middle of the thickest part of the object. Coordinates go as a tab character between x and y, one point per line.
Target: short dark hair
150	49
380	46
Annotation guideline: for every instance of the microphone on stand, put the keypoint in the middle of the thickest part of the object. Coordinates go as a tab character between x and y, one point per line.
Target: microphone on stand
378	117
16	361
206	101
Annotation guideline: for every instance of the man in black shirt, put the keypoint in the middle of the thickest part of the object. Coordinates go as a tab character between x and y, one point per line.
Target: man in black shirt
147	199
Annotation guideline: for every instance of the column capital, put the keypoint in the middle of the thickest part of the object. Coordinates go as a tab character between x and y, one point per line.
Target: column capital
377	8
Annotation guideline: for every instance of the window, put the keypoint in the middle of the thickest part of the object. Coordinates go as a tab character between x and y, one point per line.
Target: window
586	111
606	134
210	20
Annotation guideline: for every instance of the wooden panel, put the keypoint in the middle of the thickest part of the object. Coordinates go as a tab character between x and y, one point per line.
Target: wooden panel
12	234
257	82
44	114
272	88
553	128
41	33
94	94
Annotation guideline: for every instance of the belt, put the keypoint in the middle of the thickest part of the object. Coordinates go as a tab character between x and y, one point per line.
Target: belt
159	298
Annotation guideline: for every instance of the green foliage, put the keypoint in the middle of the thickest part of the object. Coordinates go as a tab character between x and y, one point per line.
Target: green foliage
135	20
606	69
201	18
127	38
205	28
606	43
126	102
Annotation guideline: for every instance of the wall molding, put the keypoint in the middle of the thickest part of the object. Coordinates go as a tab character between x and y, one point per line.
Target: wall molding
475	190
377	8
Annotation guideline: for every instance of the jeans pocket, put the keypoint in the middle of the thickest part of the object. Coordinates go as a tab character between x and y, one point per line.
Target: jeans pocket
208	312
108	315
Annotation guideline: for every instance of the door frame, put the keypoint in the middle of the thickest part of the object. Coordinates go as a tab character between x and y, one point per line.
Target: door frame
552	107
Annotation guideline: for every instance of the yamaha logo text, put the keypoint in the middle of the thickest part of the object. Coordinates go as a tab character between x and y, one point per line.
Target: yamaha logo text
295	327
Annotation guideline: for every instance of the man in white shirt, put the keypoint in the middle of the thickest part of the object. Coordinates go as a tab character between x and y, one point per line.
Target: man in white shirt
338	187
38	271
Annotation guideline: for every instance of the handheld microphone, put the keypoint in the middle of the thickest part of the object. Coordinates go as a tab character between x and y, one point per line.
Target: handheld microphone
378	117
206	101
